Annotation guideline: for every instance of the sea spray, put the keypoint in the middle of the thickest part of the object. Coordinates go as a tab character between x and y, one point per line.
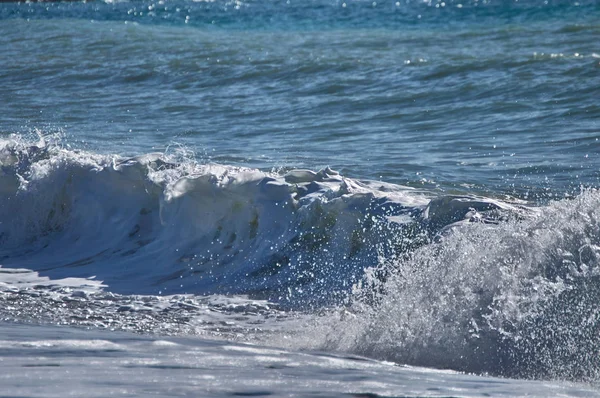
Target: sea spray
517	299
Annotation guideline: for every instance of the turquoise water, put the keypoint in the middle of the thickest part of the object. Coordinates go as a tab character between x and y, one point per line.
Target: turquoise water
497	97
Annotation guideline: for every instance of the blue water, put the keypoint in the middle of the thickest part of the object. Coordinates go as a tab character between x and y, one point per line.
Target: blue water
497	96
423	172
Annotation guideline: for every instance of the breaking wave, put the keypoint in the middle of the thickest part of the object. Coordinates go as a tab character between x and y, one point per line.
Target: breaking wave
517	299
460	282
158	225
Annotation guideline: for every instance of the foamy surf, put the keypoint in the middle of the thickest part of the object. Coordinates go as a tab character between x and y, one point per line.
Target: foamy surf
518	298
191	366
301	260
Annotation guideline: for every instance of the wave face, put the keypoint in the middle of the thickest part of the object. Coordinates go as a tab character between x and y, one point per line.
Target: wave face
150	225
153	225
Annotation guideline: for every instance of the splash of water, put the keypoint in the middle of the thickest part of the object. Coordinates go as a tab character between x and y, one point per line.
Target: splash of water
517	299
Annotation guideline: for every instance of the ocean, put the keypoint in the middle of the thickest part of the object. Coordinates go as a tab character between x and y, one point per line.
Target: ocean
300	198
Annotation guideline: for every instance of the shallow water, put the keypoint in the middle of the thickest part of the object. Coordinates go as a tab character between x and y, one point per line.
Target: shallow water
42	359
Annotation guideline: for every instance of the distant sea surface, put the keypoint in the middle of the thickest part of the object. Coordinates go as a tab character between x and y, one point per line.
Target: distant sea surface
413	182
498	95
